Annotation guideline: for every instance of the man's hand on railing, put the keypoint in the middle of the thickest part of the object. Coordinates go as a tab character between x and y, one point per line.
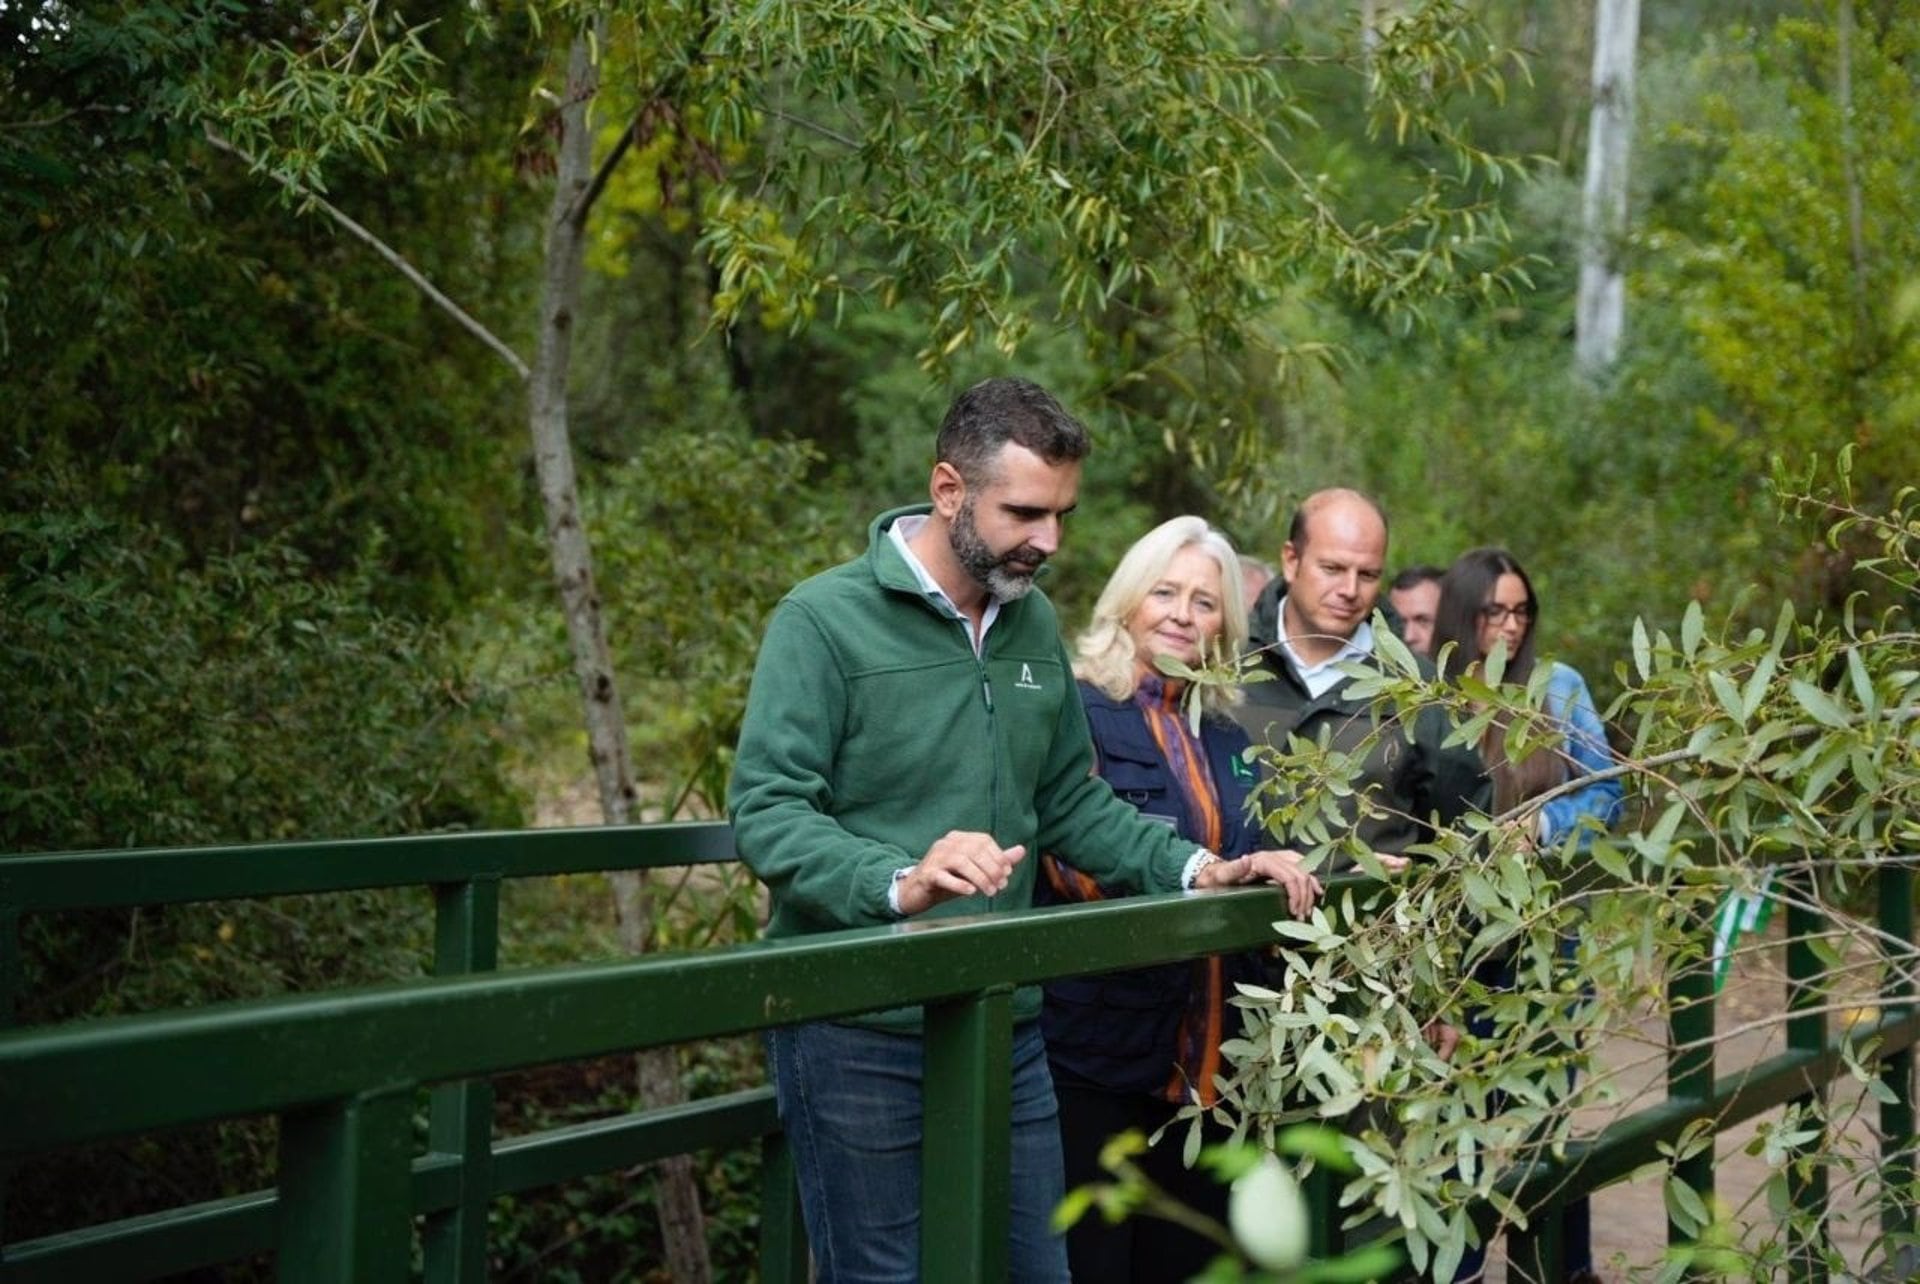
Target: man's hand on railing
1283	868
964	863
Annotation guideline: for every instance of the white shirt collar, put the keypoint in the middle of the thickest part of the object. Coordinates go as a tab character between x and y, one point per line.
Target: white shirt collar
1320	678
903	530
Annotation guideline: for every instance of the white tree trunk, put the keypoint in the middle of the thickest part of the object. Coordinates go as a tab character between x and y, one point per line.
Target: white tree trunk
1600	311
681	1223
1850	170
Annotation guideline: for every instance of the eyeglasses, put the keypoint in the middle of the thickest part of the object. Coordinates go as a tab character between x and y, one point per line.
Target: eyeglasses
1500	613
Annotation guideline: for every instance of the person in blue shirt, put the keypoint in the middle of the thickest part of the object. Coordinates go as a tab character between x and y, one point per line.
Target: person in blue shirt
1487	600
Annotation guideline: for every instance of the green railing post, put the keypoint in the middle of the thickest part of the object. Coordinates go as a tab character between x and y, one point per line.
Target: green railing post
10	963
346	1212
1325	1239
783	1237
466	938
10	972
1690	1067
1806	1032
967	1138
1538	1253
1897	1116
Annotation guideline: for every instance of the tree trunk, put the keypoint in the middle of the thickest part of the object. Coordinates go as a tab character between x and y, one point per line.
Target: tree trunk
1600	312
681	1224
1850	170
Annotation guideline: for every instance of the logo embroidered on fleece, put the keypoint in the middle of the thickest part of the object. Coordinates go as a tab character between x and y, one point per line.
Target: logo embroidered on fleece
1242	770
1026	682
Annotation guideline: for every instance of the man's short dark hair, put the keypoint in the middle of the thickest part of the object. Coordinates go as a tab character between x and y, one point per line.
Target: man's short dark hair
1297	528
1416	575
990	414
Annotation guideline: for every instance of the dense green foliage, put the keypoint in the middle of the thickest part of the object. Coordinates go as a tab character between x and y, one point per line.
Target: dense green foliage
1779	761
270	566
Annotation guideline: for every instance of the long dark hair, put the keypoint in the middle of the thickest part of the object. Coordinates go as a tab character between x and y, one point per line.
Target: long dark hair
1468	586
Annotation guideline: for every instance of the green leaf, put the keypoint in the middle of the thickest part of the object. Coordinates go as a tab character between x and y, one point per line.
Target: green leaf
1307	933
1729	697
1377	1261
1862	684
1608	856
1820	706
1073	1208
1642	651
1756	688
1668	825
1685	1208
1325	1146
1693	626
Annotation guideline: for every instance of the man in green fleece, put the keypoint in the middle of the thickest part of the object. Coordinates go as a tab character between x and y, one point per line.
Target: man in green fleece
912	737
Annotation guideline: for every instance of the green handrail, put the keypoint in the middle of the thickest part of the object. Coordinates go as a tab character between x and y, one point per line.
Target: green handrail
341	1069
331	1065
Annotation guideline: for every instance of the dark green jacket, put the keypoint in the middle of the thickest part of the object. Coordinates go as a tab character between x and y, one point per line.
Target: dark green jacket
1411	776
872	729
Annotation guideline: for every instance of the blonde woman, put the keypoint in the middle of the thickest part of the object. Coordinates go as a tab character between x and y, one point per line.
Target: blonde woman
1129	1049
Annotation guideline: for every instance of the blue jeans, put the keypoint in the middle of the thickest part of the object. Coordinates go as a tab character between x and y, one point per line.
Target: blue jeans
849	1100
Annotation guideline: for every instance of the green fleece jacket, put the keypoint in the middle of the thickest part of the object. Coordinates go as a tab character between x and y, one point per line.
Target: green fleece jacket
872	729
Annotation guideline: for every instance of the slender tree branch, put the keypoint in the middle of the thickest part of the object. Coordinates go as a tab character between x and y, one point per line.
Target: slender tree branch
385	251
577	212
48	122
1646	765
814	127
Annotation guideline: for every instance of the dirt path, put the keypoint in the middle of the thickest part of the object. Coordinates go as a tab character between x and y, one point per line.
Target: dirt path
1629	1218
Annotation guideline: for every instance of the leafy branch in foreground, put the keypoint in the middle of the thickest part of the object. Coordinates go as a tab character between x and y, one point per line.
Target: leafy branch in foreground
1780	762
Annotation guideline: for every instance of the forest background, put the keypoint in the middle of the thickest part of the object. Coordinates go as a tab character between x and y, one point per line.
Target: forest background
272	560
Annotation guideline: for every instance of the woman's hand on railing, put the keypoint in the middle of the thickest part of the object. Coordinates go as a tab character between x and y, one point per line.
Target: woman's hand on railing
1442	1037
963	863
1282	868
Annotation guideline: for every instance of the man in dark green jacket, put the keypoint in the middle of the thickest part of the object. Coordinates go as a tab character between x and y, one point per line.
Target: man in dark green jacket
913	736
1305	626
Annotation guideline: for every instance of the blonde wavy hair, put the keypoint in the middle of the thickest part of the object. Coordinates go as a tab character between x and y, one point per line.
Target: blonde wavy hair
1104	652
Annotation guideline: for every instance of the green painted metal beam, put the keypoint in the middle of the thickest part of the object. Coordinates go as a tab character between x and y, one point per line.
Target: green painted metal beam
169	875
150	1247
167	1243
1897	1116
609	1145
966	1139
783	1235
68	1084
1806	1032
466	939
345	1211
1625	1145
1690	1065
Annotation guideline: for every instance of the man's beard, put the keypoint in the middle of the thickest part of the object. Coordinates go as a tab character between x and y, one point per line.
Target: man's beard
988	569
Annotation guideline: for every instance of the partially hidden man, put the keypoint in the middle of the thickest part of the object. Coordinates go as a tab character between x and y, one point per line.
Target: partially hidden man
912	738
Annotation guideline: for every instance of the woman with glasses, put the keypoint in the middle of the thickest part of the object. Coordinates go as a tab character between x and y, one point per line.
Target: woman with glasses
1487	602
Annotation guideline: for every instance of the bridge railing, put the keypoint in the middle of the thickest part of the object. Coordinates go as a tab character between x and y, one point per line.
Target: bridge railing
340	1070
463	1168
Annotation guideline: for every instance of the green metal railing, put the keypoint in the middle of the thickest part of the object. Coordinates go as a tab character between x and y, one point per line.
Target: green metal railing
463	1170
340	1070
